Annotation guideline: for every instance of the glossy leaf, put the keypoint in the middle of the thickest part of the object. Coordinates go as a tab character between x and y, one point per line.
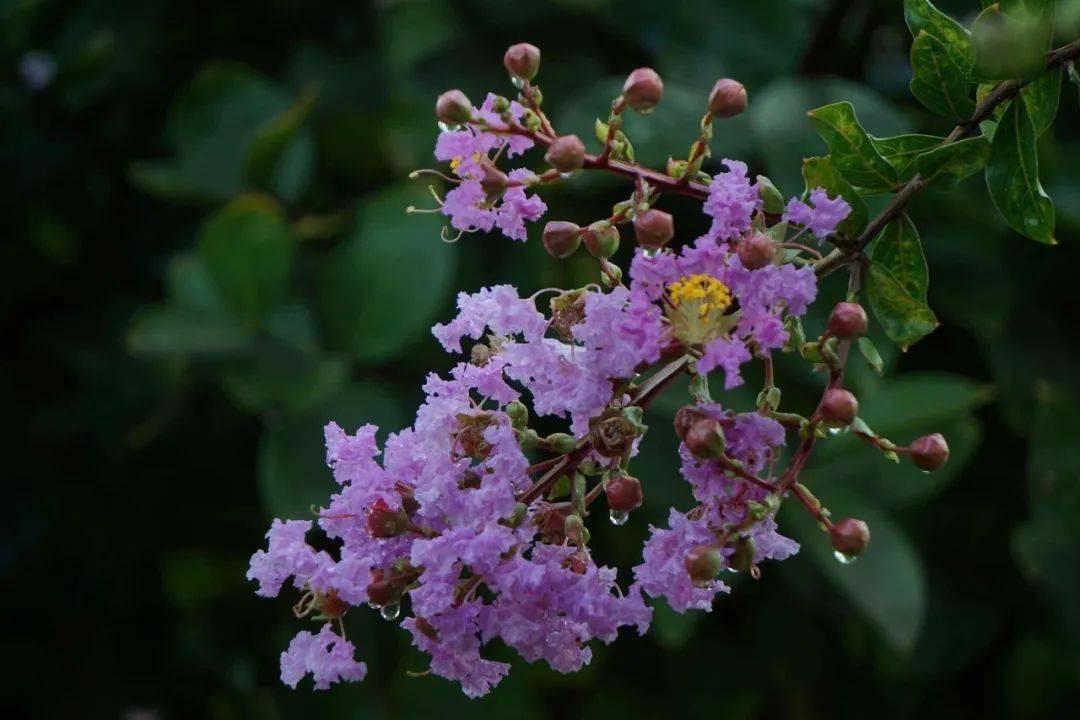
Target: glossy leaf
820	172
923	17
851	149
1041	99
1010	44
905	318
954	161
1012	176
267	156
385	286
939	82
164	330
898	249
901	150
248	250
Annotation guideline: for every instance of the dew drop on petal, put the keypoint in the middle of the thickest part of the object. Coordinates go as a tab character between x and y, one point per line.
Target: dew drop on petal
618	517
650	252
517	82
842	558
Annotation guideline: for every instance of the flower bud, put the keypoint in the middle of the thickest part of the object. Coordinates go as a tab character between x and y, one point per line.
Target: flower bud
561	239
705	439
623	493
493	181
566	153
772	201
612	436
930	452
384	591
654	228
383	522
453	108
601	239
574	527
839	406
518	414
685	417
703	563
561	442
743	557
756	251
850	537
643	89
522	61
848	320
728	98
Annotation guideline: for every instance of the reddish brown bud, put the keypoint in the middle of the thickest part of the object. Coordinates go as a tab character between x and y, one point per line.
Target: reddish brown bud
623	493
848	320
643	89
839	406
654	228
756	251
332	605
703	563
561	238
522	60
685	417
384	591
850	537
728	98
383	522
453	108
705	439
493	181
930	452
566	153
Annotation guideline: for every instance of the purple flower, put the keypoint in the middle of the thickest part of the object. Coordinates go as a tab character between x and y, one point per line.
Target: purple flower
728	354
731	202
516	207
663	572
327	656
822	217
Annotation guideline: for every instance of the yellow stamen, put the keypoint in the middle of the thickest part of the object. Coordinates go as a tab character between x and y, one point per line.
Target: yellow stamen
707	292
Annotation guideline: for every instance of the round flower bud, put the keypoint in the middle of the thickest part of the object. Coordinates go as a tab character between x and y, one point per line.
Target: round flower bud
601	239
522	61
703	563
839	406
384	591
493	181
566	153
685	417
623	493
574	527
728	98
705	439
453	108
848	320
745	551
383	522
643	89
561	238
654	228
930	452
850	537
756	251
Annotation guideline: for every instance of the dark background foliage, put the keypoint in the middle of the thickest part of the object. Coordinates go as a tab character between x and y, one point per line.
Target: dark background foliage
206	258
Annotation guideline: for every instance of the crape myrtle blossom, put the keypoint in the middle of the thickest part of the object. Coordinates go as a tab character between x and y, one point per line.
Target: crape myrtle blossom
472	524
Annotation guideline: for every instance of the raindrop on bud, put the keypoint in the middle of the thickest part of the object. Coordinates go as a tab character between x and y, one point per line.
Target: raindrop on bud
566	153
844	559
849	538
618	517
623	493
643	89
839	406
522	61
390	612
453	108
654	228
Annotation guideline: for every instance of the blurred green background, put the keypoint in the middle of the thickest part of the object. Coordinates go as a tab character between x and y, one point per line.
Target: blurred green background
206	258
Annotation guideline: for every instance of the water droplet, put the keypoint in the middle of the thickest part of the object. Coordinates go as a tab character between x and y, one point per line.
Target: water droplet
842	558
618	517
566	175
390	612
650	252
837	429
925	472
517	82
448	127
372	605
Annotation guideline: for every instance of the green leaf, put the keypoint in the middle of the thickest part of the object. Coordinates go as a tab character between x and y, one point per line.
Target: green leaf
266	156
292	472
1041	99
898	249
905	318
887	584
939	83
954	161
820	172
870	353
1012	176
385	285
901	150
248	250
1010	45
922	16
851	149
165	330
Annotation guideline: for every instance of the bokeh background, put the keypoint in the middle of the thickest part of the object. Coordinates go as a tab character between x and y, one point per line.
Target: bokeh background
205	258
